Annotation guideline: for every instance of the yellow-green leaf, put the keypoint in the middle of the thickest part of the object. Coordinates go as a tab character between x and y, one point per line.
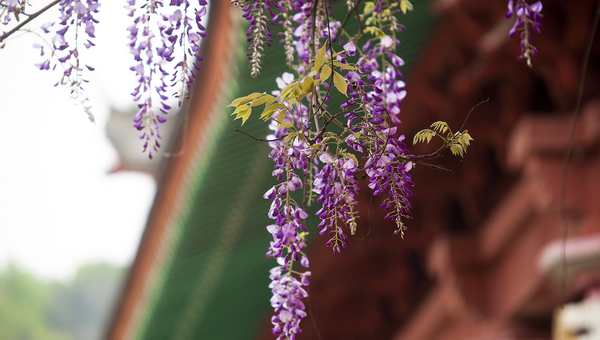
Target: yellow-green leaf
320	56
335	55
249	98
417	138
340	83
325	72
244	113
270	110
297	89
280	117
274	106
369	7
291	136
405	5
308	85
423	136
440	126
239	109
429	136
344	66
375	31
287	90
467	137
456	150
349	155
267	114
285	125
261	100
236	102
290	98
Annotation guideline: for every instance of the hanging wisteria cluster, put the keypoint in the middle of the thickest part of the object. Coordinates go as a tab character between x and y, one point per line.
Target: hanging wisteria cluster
527	17
313	163
164	40
156	33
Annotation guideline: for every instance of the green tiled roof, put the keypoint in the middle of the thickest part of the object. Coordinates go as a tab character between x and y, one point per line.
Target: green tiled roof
213	284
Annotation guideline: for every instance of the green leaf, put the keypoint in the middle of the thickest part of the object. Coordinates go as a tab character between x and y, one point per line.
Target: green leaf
340	83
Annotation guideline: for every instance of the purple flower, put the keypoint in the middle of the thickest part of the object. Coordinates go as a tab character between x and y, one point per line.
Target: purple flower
65	44
79	8
527	17
286	301
350	48
153	51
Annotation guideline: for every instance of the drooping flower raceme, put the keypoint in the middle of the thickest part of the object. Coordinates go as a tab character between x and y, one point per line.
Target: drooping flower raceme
288	293
312	163
76	20
260	14
320	165
527	17
338	191
12	7
164	40
288	229
156	33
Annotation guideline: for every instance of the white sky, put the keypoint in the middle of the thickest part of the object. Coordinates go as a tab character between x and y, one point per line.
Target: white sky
59	208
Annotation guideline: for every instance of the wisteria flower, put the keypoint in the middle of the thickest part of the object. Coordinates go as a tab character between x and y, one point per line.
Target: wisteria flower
527	17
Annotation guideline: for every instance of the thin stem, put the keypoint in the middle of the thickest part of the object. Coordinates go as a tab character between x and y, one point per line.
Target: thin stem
259	139
25	22
473	108
565	167
347	18
313	52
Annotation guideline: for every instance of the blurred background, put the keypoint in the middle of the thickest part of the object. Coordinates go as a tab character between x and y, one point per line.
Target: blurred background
71	211
483	257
